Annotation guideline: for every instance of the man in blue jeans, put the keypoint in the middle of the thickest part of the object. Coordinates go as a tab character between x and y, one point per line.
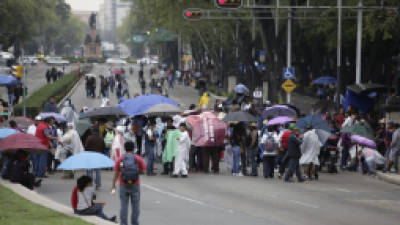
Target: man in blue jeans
128	191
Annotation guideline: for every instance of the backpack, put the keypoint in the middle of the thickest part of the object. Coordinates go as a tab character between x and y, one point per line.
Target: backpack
285	139
130	169
269	145
108	139
74	198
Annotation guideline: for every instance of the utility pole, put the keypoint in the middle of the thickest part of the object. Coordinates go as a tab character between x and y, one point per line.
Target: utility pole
253	51
289	47
359	41
23	84
339	55
179	51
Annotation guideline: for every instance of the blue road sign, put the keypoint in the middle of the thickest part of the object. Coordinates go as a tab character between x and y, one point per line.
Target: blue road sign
288	73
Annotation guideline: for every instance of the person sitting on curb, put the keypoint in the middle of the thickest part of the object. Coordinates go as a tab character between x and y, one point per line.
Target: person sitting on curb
82	198
20	171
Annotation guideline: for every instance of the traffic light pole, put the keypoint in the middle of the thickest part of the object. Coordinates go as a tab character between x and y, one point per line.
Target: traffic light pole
339	55
23	85
359	41
289	48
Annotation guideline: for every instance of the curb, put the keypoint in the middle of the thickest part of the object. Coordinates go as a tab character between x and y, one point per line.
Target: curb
388	178
50	204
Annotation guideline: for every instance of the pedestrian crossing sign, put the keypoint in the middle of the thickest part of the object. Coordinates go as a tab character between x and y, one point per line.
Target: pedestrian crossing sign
288	86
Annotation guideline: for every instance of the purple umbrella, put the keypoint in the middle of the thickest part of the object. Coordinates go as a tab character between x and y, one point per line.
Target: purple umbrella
279	120
363	141
59	118
277	111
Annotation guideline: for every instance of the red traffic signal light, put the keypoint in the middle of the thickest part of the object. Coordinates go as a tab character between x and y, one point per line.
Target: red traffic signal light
193	14
228	4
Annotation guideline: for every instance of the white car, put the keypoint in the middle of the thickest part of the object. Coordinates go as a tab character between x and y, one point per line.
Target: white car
115	61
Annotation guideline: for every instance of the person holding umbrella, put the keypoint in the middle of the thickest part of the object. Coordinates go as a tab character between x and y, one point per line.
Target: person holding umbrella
95	143
40	159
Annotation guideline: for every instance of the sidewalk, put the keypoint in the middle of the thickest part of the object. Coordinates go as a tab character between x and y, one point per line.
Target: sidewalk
393	178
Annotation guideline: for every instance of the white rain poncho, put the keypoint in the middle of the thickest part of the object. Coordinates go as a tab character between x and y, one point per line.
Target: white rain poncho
68	112
71	144
117	147
182	156
310	148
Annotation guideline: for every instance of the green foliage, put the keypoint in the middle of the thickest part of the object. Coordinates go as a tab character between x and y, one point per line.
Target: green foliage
22	211
35	23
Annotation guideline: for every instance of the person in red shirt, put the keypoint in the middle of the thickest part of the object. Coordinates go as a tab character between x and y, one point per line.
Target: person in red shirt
339	119
128	191
39	160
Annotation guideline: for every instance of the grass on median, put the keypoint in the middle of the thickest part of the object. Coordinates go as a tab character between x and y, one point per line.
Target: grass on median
16	210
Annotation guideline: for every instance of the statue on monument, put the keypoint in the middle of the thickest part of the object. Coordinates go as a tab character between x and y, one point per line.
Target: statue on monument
92	20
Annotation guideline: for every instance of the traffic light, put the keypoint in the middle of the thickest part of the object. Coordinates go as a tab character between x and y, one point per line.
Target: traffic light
17	71
193	14
228	4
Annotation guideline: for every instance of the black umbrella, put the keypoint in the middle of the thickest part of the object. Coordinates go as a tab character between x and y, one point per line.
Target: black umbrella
104	112
240	116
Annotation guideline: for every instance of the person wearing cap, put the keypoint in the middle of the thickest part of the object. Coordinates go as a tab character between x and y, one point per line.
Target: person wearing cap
294	154
310	149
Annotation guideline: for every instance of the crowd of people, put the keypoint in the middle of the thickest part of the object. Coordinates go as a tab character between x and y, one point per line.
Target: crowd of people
251	148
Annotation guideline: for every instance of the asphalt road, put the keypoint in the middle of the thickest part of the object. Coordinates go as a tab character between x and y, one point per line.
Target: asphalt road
340	199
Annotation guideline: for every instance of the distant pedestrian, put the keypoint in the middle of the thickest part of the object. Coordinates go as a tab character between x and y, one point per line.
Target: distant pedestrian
48	76
53	74
143	86
182	155
127	169
151	136
50	106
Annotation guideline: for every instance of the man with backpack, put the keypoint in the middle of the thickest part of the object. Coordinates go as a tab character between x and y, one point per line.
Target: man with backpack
127	169
283	159
269	143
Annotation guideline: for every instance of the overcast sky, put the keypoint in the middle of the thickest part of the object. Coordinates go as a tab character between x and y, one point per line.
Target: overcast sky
87	5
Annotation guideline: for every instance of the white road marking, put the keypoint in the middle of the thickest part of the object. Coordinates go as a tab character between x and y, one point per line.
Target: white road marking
343	190
186	198
173	195
304	204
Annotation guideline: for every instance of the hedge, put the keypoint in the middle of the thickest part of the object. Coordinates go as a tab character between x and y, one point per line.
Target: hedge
58	89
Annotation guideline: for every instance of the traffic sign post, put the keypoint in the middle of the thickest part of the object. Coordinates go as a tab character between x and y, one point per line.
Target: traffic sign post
288	86
288	73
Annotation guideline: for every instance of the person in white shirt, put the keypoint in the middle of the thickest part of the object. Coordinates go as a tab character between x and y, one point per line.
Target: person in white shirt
86	196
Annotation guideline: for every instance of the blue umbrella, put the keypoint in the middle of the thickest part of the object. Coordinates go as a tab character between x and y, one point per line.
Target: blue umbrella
315	121
241	89
86	161
325	80
7	80
139	105
5	132
59	118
